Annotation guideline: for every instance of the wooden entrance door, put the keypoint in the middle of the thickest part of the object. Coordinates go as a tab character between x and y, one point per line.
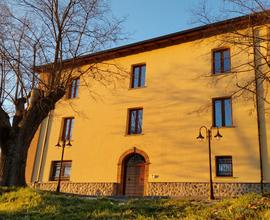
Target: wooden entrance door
134	176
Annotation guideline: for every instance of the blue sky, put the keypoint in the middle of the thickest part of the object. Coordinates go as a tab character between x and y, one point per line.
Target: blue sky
152	18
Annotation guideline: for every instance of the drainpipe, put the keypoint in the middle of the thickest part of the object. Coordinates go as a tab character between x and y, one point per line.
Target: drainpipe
43	147
258	89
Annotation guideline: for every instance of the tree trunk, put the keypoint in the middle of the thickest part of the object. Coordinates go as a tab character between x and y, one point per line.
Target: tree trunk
16	139
13	162
5	164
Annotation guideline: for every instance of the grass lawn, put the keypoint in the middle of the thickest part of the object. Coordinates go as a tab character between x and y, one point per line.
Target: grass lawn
25	203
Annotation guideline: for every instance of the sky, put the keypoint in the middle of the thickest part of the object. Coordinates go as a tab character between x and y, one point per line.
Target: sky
146	19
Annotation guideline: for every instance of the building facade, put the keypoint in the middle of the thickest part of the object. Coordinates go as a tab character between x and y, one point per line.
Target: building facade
137	135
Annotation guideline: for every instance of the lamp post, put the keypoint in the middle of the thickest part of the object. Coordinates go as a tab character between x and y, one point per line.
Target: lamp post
61	144
200	137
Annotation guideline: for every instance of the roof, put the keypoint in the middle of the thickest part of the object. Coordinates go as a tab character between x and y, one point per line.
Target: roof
166	40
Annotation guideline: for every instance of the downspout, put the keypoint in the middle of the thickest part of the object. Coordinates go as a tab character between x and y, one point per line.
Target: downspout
257	90
36	157
43	147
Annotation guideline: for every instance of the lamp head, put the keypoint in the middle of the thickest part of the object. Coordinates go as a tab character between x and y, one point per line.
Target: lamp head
58	144
218	136
200	137
69	144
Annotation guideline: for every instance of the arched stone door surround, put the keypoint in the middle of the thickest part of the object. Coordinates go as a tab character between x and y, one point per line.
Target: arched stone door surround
137	168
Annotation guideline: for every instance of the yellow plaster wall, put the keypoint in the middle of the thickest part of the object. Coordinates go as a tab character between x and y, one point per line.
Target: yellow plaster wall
176	101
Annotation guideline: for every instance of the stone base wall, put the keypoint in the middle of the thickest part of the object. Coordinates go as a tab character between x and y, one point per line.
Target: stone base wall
178	189
90	189
172	189
221	190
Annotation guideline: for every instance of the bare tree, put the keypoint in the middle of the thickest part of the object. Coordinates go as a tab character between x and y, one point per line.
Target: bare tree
249	36
39	36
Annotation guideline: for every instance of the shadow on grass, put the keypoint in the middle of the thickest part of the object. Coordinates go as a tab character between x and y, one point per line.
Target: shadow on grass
25	203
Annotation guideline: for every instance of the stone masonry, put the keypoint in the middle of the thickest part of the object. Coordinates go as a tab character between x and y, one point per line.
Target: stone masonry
90	189
196	190
172	189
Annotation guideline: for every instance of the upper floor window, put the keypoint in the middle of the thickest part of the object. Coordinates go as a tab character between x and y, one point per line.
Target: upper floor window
135	121
221	61
64	172
222	112
224	166
74	88
138	76
67	128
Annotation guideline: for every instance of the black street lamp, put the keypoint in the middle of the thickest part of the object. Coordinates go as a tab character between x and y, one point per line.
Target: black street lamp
61	144
200	137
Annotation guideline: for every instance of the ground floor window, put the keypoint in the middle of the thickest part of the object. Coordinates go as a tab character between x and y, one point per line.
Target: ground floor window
224	166
64	172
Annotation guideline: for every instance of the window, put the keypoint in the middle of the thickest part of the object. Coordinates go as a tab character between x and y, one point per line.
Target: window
135	121
67	128
222	112
221	61
224	166
138	76
74	88
65	171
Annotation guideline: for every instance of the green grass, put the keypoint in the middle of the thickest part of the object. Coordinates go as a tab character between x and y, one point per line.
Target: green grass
25	203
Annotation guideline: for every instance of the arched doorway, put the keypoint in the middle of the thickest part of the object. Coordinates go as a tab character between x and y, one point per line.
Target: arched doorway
134	175
133	168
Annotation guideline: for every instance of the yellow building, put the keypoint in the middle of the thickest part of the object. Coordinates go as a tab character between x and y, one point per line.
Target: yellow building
138	135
